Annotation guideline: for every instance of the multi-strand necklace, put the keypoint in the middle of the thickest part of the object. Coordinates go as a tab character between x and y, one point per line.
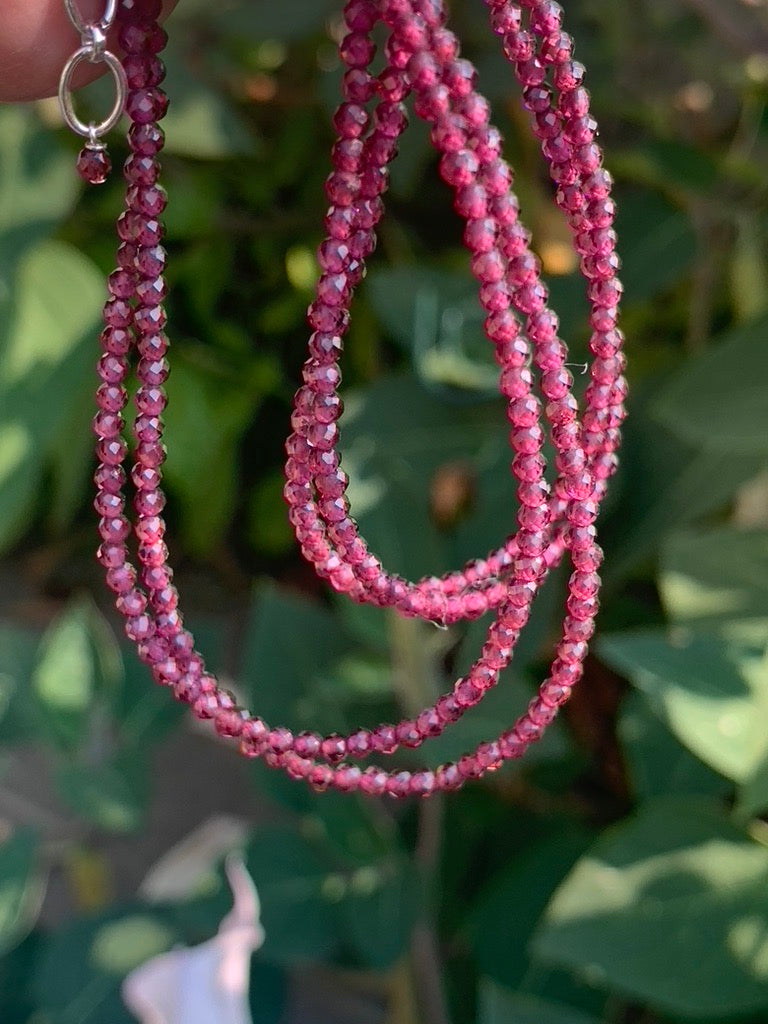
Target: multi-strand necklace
555	519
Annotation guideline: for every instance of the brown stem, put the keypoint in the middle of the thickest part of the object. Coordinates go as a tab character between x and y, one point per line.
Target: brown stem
425	949
416	650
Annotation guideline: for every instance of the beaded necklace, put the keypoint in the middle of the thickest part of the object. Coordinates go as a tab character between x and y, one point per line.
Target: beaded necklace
422	62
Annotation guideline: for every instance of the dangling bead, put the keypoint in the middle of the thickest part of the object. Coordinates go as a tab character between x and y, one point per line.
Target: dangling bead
93	164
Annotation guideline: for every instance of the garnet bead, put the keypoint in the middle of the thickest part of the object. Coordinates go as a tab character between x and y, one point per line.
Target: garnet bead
94	165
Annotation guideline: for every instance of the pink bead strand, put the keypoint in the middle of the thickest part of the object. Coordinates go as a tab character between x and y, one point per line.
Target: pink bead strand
155	622
169	671
428	611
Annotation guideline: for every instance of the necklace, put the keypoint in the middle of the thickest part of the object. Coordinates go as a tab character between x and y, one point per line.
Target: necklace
422	62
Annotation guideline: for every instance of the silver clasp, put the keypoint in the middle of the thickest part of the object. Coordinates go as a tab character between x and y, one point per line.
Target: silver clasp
93	48
105	23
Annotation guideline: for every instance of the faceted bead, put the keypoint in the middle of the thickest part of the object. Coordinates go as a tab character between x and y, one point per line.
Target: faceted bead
422	784
153	372
108	505
350	120
506	18
147	231
143	70
141	170
357	50
139	628
117	341
112	554
111	451
108	424
459	168
153	346
126	252
347	154
460	76
110	479
360	15
141	11
151	455
132	603
142	38
94	165
118	313
321	777
147	200
150	292
358	85
121	579
146	139
150	320
151	400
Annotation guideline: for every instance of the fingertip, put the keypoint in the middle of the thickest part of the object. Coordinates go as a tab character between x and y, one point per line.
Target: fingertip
36	40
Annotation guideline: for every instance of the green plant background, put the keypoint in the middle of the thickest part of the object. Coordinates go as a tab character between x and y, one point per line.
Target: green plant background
620	873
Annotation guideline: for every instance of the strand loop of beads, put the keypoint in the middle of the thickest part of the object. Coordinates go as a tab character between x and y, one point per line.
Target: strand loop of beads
555	515
93	163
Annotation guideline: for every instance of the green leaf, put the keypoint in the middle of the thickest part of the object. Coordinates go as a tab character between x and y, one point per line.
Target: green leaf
19	479
500	942
436	316
658	244
718	404
664	162
144	712
45	379
300	892
201	123
711	575
291	642
78	675
342	879
664	483
16	979
657	762
22	887
752	796
747	270
18	654
204	421
50	342
395	435
379	911
292	19
81	965
37	189
710	690
669	908
112	796
65	679
501	1006
268	527
120	946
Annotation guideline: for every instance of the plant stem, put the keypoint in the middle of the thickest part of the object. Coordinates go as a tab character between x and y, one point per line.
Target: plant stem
425	950
416	650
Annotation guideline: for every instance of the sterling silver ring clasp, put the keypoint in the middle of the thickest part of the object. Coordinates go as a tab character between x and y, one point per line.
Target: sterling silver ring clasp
93	48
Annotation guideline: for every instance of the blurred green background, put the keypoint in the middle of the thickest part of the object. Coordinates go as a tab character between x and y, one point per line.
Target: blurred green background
620	873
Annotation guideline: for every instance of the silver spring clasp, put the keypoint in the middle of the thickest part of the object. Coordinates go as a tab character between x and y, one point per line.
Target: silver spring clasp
93	48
